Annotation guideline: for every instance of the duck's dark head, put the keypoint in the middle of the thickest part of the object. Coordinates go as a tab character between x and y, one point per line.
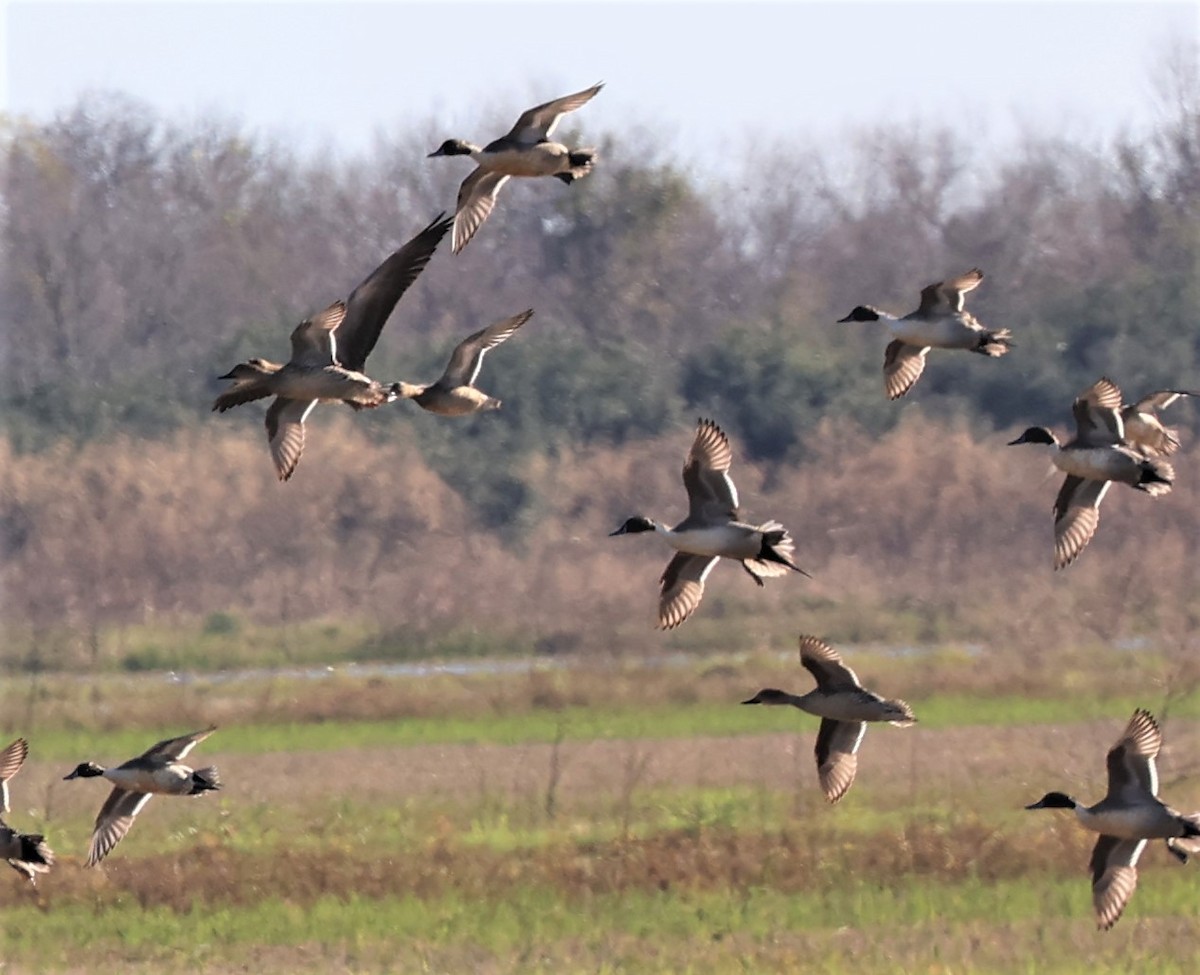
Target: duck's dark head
1053	800
85	770
770	695
452	147
633	525
863	313
251	369
1038	435
243	370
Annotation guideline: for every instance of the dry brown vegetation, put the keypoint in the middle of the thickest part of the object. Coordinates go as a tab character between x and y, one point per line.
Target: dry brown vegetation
923	535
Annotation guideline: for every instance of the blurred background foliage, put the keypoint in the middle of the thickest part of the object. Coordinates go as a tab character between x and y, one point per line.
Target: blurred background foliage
141	259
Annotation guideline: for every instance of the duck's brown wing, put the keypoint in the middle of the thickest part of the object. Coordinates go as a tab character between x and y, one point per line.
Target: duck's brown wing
176	749
837	755
1132	771
476	200
372	302
11	760
826	666
1114	877
285	433
947	296
1097	412
1076	517
682	587
537	123
312	340
113	821
710	490
467	358
902	367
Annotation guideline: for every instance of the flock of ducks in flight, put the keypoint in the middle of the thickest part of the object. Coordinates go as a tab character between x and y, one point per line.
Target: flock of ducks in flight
1113	442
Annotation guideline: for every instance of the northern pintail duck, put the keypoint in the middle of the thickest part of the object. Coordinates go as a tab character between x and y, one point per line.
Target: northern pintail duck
329	352
711	531
1095	457
157	771
1127	816
525	151
1144	429
844	707
454	394
939	323
26	853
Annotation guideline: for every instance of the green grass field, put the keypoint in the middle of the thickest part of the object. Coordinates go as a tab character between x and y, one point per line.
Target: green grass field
615	819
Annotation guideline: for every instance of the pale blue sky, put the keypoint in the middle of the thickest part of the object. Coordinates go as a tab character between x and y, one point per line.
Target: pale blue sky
707	75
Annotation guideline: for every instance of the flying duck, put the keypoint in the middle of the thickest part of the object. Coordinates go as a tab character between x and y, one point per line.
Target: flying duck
711	531
939	323
26	853
454	394
525	151
1096	456
157	771
329	352
1127	816
844	707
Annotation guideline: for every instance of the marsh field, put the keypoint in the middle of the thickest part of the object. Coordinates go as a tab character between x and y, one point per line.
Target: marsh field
604	816
574	791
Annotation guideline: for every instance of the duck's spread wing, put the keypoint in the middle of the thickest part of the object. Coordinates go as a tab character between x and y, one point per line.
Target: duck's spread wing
539	122
11	760
467	358
947	296
476	200
1114	876
826	666
1076	517
176	749
682	587
902	367
372	302
710	489
1162	399
1144	429
837	755
243	391
115	818
312	340
1132	771
1097	412
285	433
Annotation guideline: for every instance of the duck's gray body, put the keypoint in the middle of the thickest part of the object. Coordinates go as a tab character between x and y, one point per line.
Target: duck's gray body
940	322
844	706
1093	459
157	771
1129	815
711	531
526	151
329	352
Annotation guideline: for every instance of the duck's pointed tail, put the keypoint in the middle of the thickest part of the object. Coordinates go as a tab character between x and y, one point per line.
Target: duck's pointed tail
994	343
581	162
775	557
